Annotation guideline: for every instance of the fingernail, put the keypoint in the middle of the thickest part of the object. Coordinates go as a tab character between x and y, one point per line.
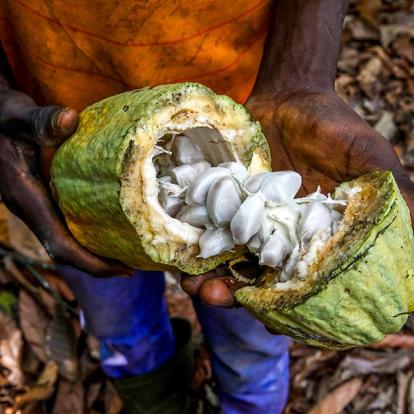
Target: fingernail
57	118
190	286
216	293
63	120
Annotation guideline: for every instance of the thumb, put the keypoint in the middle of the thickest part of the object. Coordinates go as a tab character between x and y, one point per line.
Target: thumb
47	126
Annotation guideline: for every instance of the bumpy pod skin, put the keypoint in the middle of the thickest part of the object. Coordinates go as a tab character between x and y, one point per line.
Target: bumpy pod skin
100	173
362	287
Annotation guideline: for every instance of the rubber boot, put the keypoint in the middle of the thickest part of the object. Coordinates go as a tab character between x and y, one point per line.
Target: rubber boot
167	389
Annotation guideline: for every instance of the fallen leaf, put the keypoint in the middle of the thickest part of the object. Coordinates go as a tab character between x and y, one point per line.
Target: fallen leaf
92	395
368	10
58	284
404	47
18	275
338	399
390	32
369	73
410	397
44	387
366	362
384	397
34	322
23	241
31	364
386	125
113	404
11	350
202	368
70	398
396	341
62	344
313	363
4	231
403	382
388	363
361	31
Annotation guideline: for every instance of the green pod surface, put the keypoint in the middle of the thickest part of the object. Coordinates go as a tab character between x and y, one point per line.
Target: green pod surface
361	287
105	181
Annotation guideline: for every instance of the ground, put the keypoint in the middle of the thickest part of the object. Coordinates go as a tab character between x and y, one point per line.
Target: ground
48	365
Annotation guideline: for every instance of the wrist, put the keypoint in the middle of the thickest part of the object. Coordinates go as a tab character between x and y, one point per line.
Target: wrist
293	84
302	47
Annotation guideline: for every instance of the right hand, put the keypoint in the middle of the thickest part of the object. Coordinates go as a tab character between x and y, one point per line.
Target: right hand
25	128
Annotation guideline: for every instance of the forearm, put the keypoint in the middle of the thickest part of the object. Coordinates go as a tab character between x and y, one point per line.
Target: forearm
303	45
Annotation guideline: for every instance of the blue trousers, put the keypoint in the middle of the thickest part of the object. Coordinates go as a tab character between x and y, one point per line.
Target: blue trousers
130	318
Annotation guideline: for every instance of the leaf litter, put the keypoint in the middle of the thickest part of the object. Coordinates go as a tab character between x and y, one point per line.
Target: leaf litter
48	365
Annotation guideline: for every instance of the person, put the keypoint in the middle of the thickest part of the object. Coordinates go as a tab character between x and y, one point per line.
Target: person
279	58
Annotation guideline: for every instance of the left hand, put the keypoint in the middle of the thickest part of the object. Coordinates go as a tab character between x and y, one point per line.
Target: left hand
324	140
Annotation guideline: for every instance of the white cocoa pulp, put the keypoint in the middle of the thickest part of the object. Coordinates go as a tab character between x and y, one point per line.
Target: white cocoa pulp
203	184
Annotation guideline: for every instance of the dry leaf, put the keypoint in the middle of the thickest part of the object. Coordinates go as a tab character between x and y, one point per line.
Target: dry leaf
386	125
31	364
404	47
368	10
313	363
338	399
11	350
10	410
33	408
368	75
361	31
69	398
4	231
202	371
34	323
388	363
390	32
5	278
18	275
44	387
113	404
383	399
62	344
410	398
23	241
58	284
92	395
88	365
396	341
403	381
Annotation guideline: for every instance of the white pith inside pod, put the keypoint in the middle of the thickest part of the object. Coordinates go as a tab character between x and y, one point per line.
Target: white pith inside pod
222	131
203	184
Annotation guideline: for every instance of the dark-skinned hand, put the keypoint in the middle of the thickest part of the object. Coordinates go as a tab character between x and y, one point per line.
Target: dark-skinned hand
323	139
25	128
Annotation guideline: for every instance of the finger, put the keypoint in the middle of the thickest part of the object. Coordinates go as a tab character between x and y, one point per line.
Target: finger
219	291
46	126
192	284
24	195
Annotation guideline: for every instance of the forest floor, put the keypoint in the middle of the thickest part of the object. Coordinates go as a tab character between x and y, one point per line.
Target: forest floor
49	365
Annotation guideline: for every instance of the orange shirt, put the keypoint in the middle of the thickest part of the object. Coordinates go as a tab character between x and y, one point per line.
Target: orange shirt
76	52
